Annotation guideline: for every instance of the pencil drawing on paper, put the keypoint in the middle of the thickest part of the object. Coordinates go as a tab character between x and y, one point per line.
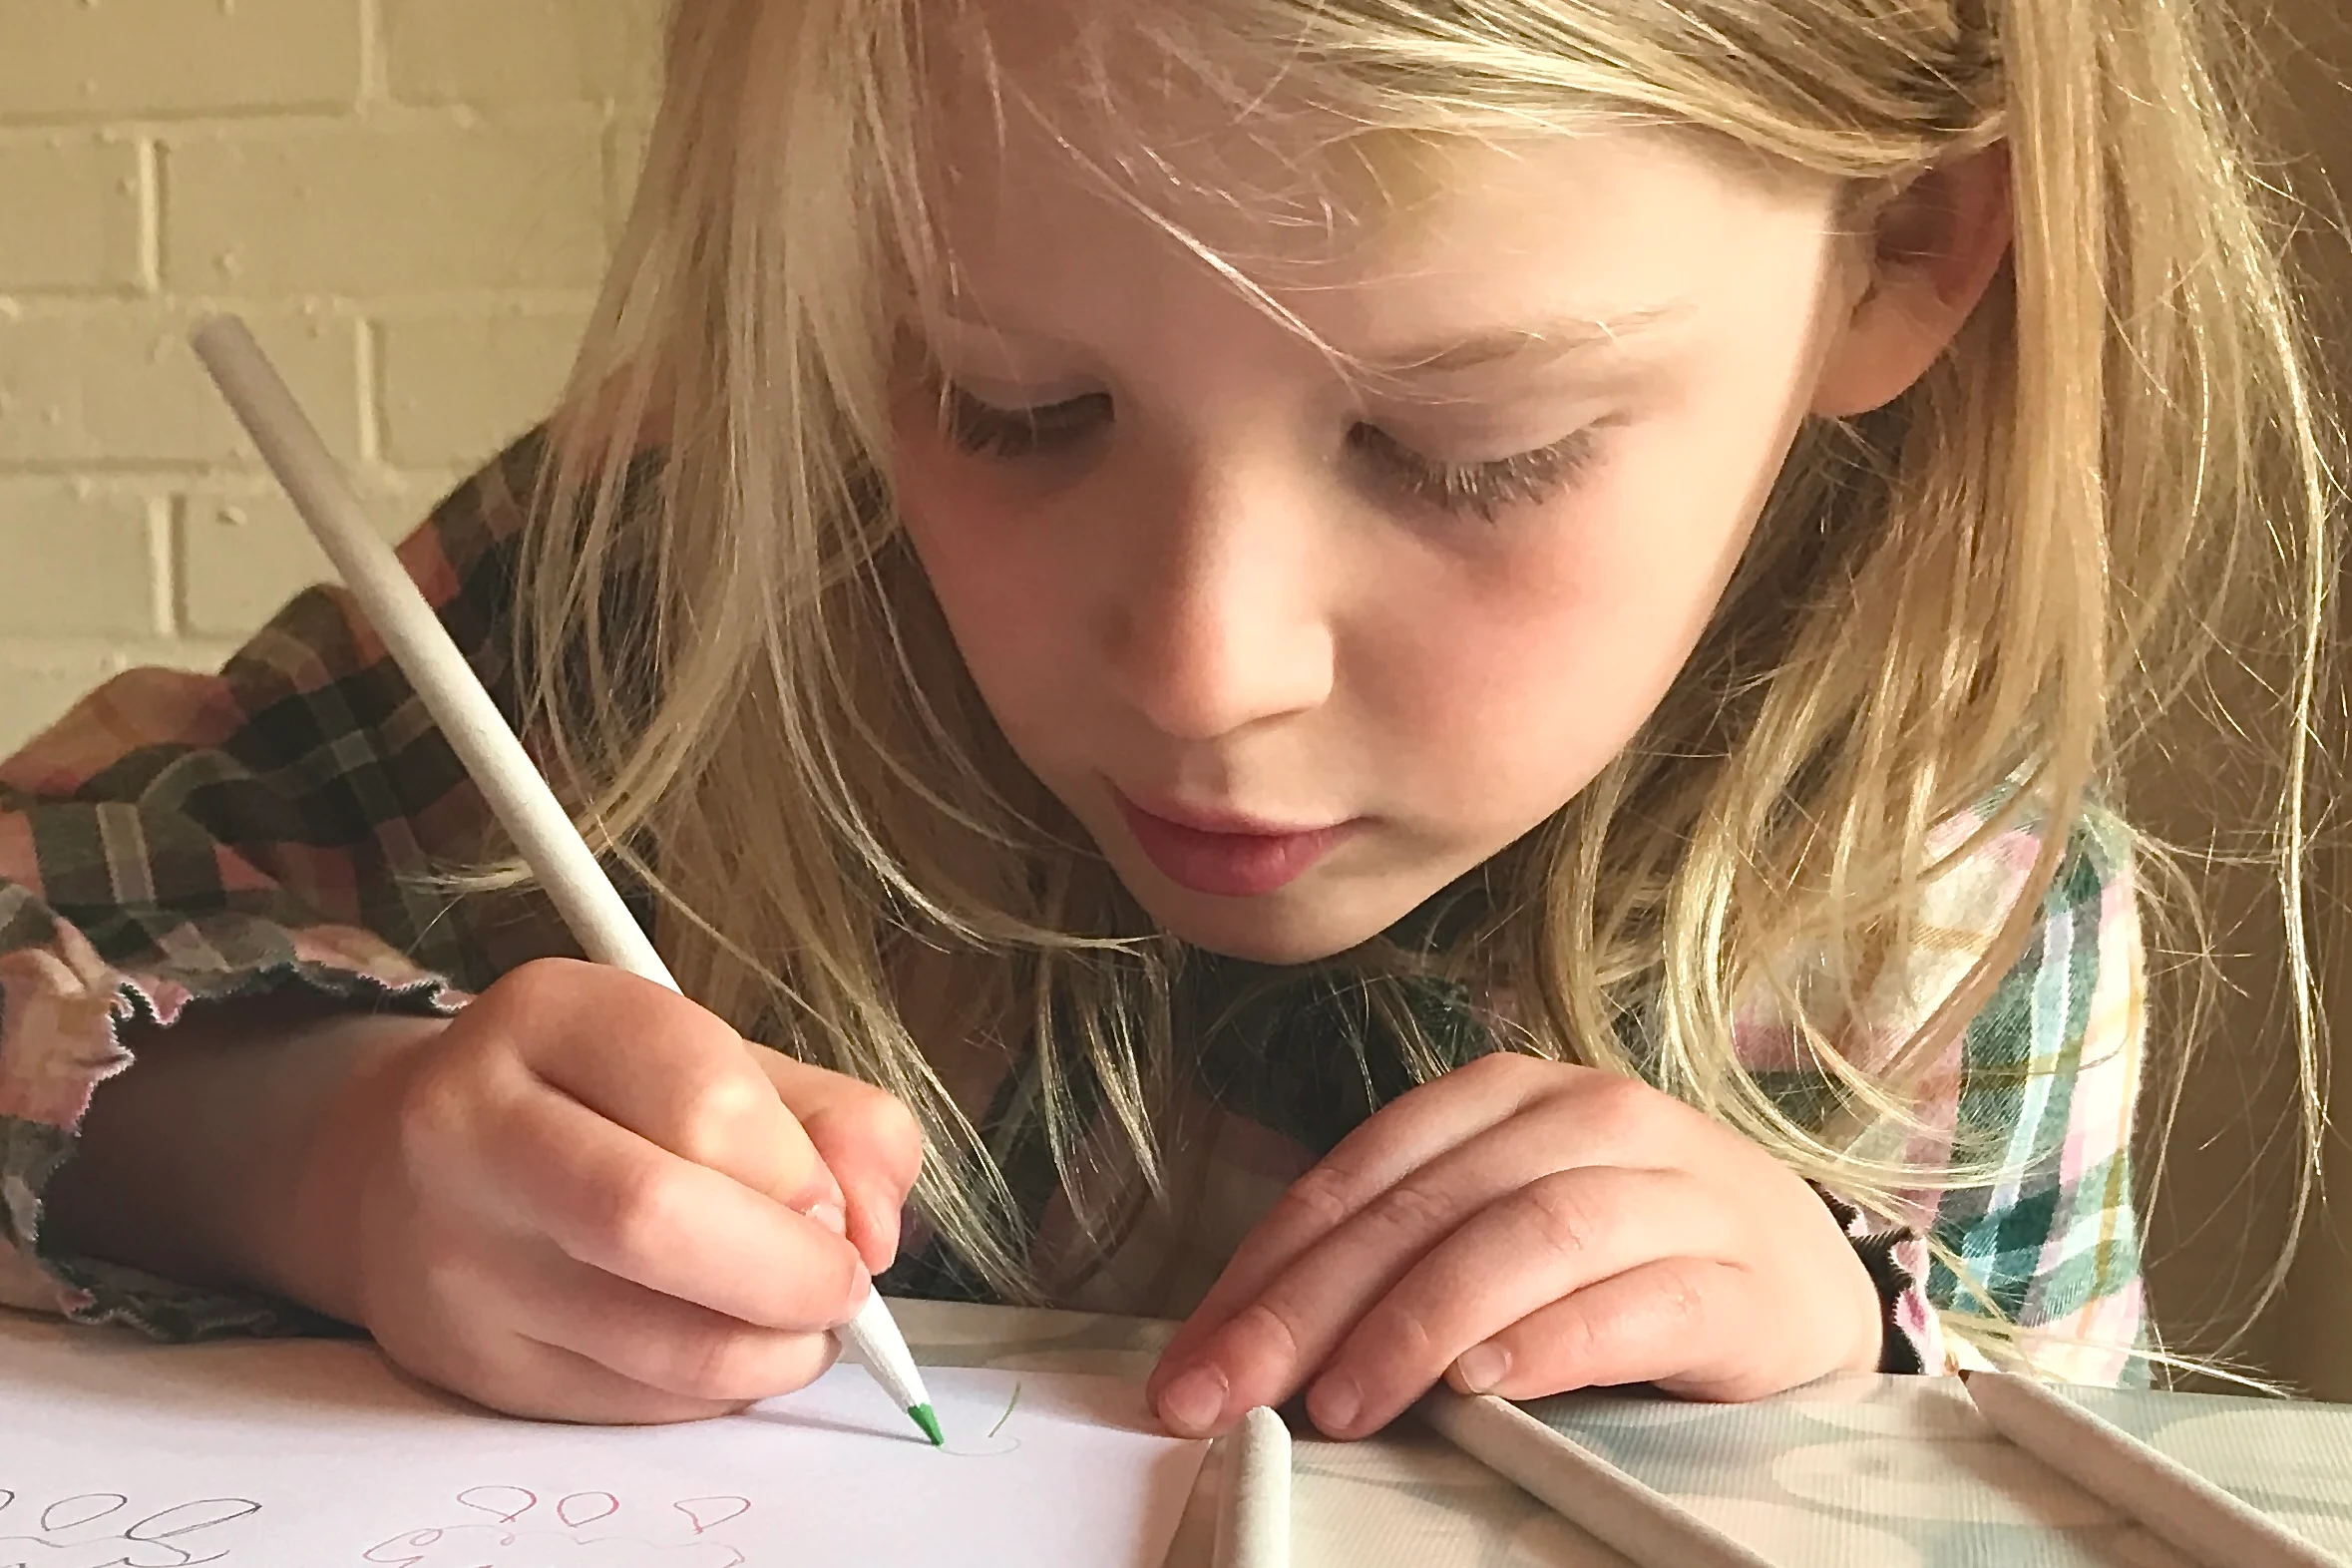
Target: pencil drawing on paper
1007	1416
997	1443
106	1530
515	1527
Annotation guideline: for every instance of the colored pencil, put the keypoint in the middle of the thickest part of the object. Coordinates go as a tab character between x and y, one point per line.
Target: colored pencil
479	734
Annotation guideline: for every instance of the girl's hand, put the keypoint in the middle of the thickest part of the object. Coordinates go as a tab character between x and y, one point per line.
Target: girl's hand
584	1197
1523	1227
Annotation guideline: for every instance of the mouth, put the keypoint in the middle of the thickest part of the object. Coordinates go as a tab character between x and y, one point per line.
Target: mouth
1226	855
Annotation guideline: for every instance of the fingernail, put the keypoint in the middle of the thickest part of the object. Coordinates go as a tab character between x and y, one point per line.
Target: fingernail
819	1191
886	1217
831	1216
1334	1404
861	1287
1195	1402
1482	1367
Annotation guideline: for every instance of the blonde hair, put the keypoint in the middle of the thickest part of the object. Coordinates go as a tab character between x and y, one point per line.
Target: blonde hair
1981	592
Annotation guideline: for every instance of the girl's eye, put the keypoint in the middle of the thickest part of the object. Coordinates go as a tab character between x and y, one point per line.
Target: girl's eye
1481	490
986	429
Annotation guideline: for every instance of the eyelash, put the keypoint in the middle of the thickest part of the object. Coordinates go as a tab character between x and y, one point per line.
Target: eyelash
1483	489
989	431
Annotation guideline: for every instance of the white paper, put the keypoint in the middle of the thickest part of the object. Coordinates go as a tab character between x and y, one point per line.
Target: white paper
118	1454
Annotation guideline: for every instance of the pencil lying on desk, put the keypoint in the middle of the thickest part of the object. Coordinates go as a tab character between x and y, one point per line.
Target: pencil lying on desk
1581	1487
522	801
2189	1513
1254	1516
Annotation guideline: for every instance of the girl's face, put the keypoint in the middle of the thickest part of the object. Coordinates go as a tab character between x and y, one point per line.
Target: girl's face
1300	636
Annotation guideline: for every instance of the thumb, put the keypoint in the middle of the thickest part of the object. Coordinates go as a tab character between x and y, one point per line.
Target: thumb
867	1139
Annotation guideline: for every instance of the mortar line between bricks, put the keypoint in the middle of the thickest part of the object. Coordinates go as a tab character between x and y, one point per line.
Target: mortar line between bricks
375	74
149	121
163	547
226	465
367	359
152	177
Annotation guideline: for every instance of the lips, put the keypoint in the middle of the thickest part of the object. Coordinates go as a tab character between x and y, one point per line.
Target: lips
1224	855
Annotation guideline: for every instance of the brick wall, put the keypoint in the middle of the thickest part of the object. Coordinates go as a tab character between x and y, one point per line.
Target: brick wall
410	199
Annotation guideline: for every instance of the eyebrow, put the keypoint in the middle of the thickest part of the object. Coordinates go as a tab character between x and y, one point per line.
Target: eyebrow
1548	339
1553	337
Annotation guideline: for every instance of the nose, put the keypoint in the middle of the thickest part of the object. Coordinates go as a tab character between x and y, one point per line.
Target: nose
1224	618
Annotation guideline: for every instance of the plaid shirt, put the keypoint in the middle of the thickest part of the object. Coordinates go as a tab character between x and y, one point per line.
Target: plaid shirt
179	839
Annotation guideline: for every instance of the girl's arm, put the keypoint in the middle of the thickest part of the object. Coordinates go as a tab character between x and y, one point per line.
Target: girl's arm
179	845
1525	1227
214	1165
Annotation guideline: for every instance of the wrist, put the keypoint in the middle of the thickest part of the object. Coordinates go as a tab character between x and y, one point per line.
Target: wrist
210	1162
1867	1353
306	1242
1890	1263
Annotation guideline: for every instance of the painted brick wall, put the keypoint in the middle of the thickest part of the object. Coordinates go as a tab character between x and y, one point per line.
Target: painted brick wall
410	201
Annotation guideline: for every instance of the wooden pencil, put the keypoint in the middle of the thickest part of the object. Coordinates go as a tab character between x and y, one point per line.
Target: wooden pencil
2189	1513
486	746
1254	1516
1586	1489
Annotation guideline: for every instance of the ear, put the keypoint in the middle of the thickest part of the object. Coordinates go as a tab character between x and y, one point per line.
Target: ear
1932	250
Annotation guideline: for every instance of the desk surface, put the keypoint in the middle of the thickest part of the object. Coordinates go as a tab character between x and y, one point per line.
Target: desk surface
1893	1472
1888	1472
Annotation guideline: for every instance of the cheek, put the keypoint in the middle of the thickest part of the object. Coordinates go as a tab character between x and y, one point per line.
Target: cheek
1533	666
988	566
1526	700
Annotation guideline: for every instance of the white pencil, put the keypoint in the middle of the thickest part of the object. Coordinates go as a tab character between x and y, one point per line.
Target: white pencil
2175	1504
484	741
1586	1489
1254	1516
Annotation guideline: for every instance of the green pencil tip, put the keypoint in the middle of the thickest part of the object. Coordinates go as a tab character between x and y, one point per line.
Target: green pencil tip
930	1422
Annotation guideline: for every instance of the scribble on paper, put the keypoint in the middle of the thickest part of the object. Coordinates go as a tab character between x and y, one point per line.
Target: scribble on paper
105	1530
584	1529
584	1509
997	1443
504	1503
708	1513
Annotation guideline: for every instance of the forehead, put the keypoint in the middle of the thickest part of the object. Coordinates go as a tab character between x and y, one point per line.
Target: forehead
1084	147
1041	118
1358	239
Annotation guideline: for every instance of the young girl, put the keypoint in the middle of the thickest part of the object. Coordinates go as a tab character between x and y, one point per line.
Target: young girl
1433	684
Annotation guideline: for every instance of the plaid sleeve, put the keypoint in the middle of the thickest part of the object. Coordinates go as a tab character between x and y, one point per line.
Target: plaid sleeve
2038	1264
176	839
2049	1075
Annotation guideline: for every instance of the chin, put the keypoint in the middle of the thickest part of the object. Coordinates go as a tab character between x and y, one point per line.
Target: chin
1262	931
1276	949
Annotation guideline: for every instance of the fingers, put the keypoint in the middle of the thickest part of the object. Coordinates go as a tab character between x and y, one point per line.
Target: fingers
869	1140
595	1201
1526	1227
1550	1241
659	1343
552	1383
641	1055
1308	1288
611	1199
546	1383
1381	1309
1643	1325
1413	1131
452	1317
